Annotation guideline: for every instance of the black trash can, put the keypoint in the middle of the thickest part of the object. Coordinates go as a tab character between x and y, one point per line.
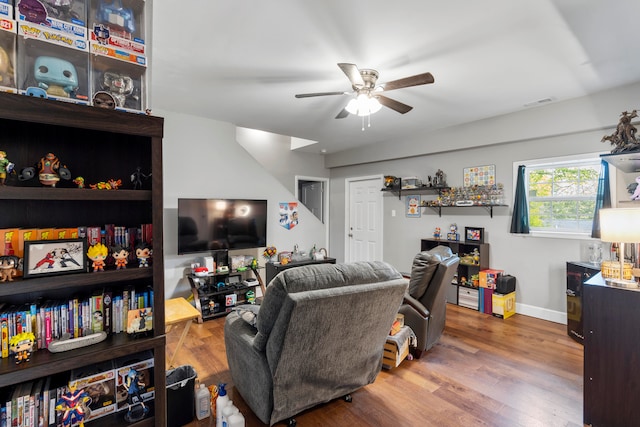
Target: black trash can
181	405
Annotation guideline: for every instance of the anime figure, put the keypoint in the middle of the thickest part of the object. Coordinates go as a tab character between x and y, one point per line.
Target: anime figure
73	405
79	181
48	259
97	254
135	387
49	171
6	69
6	167
8	267
143	253
57	76
119	85
121	256
21	345
102	99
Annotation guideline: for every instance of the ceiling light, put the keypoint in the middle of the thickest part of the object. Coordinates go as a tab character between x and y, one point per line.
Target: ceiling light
363	105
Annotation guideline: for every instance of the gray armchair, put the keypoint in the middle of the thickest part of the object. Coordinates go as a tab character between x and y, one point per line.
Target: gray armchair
424	306
318	335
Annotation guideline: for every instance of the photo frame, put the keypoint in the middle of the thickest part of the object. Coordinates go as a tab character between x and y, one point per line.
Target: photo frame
412	206
44	258
474	234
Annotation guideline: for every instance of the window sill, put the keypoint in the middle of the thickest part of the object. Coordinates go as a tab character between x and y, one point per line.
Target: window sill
558	235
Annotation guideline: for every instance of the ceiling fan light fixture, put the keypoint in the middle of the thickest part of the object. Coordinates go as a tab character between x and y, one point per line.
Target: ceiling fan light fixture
363	105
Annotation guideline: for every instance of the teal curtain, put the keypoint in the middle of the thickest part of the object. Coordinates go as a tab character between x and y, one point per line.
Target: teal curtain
603	198
520	217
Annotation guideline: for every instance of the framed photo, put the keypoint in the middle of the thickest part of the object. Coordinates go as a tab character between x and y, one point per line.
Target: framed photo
412	207
52	257
474	234
139	320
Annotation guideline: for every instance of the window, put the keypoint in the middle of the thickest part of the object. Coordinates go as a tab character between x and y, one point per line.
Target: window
561	194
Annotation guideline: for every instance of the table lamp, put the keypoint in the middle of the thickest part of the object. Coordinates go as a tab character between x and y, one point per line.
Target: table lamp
620	225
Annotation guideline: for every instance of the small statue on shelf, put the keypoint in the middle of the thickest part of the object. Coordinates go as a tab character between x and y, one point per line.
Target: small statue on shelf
97	254
8	267
143	253
79	181
49	171
121	256
21	346
135	387
436	233
6	167
73	405
137	177
624	138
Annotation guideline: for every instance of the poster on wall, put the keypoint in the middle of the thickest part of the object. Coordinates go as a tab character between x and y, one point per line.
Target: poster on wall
480	175
413	206
288	214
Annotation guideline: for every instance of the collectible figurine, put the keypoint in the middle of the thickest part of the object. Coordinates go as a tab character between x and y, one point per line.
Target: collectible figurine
79	181
453	232
117	17
102	99
135	387
6	69
33	11
73	405
49	171
121	255
119	85
97	254
624	138
143	253
6	167
136	178
21	346
8	267
61	9
436	233
101	33
57	76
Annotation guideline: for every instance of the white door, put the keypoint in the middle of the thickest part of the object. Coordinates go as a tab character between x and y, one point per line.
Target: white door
364	219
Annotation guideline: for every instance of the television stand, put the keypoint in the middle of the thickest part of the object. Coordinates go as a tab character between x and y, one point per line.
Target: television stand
274	268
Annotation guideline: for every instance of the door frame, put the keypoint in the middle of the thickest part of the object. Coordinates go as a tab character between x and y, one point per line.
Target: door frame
325	201
347	210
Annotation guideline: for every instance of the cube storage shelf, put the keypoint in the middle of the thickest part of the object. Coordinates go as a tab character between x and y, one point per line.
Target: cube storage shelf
98	144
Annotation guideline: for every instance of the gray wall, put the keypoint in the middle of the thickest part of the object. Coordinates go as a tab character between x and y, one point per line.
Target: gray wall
538	263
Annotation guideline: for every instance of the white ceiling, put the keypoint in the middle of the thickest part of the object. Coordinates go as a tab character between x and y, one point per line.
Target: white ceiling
243	61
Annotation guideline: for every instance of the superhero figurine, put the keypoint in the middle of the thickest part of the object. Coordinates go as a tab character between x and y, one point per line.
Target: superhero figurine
73	405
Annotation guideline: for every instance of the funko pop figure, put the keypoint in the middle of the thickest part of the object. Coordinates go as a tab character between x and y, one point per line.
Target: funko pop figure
119	85
57	76
98	253
113	14
61	9
73	405
135	387
104	99
21	345
33	11
143	253
121	256
8	267
6	69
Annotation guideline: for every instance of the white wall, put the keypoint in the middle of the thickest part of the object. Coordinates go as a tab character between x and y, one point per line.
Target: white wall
202	159
538	263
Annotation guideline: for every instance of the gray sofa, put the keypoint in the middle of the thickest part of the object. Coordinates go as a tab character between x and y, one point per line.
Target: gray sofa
318	335
425	306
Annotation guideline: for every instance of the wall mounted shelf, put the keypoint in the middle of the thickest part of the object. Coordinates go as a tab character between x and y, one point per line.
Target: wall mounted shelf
489	208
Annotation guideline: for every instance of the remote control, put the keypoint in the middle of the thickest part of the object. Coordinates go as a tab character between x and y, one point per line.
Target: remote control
59	346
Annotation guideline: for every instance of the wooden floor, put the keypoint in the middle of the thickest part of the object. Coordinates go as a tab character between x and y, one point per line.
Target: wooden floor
484	371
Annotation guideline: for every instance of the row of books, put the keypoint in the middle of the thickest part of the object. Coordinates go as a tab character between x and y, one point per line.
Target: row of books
50	320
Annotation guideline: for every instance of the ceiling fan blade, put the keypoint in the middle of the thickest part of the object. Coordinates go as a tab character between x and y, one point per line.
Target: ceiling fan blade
394	105
417	80
342	114
309	95
353	74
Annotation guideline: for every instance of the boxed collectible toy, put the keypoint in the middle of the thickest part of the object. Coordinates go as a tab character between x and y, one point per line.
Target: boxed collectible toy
134	382
7	48
118	24
64	16
50	70
504	305
99	382
489	277
117	84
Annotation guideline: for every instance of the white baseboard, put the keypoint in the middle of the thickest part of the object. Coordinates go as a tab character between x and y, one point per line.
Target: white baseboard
542	313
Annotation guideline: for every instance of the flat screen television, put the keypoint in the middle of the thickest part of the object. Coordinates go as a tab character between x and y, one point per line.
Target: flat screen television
211	224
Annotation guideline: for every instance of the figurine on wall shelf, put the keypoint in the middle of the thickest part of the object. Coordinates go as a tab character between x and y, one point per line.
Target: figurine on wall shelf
439	179
436	233
79	181
97	254
624	138
6	69
103	99
73	405
8	267
6	167
49	171
143	253
21	346
121	256
58	77
137	177
120	86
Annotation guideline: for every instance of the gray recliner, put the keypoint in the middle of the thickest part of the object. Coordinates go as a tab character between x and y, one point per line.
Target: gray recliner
318	335
424	306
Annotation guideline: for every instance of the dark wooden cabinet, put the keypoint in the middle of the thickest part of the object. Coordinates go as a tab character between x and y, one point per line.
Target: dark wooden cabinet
577	273
611	354
273	269
98	145
466	269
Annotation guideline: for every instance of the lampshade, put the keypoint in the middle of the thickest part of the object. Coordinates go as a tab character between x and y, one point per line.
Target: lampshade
363	105
620	225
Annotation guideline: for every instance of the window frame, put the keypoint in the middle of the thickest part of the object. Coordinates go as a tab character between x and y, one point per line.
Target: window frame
558	162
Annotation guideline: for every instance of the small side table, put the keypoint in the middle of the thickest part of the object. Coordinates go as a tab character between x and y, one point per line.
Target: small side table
178	310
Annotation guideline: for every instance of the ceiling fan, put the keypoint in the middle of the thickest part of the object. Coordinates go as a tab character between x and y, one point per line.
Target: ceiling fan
363	82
